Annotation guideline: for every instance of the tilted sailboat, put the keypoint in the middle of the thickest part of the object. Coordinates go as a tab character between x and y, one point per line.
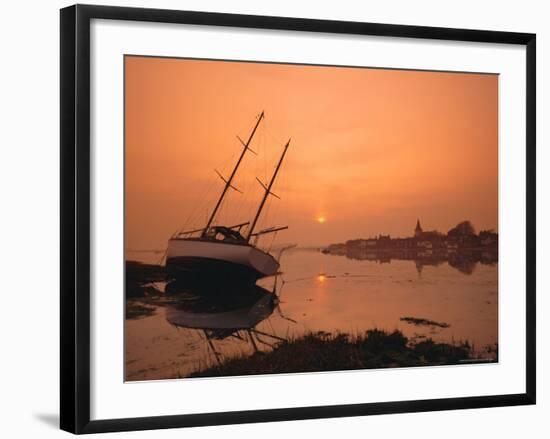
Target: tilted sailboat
224	253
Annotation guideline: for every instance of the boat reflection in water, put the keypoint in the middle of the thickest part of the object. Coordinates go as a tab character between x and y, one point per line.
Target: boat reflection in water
223	312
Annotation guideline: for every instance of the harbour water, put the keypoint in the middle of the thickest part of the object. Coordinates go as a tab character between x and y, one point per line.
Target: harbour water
317	293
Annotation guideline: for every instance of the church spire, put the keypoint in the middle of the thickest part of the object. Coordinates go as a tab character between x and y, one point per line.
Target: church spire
418	229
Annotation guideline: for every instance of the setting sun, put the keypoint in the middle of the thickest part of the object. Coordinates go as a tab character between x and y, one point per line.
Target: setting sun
321	219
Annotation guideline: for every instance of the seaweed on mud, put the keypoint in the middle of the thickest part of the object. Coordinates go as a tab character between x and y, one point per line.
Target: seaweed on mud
424	322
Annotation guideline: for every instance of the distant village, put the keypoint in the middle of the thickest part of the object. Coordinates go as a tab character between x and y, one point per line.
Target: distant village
461	237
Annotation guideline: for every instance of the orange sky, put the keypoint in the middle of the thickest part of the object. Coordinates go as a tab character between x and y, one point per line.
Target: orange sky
371	149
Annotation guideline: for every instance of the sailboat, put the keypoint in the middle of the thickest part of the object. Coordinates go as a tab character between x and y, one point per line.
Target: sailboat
217	253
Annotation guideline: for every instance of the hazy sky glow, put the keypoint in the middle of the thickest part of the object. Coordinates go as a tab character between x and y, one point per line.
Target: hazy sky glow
372	150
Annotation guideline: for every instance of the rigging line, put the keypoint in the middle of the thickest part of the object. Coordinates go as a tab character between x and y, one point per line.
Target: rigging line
258	172
262	160
276	337
246	184
277	211
266	157
267	216
264	176
272	241
162	257
199	207
271	324
233	173
224	168
240	201
270	216
272	211
238	208
245	180
246	207
282	212
226	210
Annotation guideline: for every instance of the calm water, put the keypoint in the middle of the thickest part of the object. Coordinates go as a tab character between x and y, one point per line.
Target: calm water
317	292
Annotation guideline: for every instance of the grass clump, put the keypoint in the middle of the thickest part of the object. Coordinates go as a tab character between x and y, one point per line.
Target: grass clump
322	351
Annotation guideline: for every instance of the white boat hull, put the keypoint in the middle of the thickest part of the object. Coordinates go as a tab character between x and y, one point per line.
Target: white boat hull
207	258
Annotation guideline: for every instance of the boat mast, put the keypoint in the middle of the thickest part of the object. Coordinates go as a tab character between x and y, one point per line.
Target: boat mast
228	181
267	192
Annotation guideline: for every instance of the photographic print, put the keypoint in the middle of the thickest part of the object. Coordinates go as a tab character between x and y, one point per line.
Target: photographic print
288	218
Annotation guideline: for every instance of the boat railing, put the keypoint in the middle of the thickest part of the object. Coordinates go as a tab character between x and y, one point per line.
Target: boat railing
190	233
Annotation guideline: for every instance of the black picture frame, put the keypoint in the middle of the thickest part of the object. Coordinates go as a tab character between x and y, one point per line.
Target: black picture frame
75	217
